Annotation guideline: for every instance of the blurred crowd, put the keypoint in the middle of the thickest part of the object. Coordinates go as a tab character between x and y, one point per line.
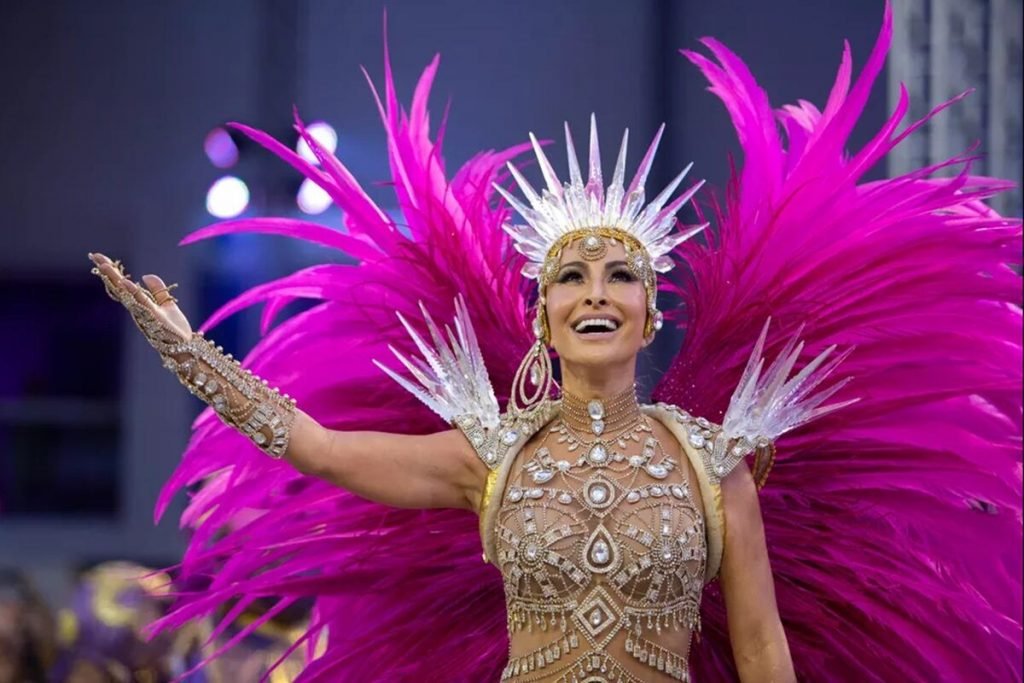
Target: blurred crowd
100	635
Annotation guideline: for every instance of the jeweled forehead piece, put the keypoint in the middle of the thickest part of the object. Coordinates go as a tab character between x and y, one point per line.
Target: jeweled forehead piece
562	213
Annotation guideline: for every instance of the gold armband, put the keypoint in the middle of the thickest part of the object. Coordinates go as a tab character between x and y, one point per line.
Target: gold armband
764	459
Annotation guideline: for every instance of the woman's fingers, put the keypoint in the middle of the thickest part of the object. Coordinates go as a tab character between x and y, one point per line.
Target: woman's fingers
161	292
112	273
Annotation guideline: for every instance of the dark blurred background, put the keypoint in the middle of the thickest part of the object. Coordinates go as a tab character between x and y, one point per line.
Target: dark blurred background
110	141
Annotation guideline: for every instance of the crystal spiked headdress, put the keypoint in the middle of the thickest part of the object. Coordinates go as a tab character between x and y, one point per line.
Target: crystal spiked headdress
562	213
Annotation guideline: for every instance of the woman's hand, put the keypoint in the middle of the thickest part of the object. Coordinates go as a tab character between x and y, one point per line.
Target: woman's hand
154	298
434	471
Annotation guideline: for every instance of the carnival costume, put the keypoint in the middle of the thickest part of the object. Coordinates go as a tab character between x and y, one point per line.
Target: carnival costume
603	537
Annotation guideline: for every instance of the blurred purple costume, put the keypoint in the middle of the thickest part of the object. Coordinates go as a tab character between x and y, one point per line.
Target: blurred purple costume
894	526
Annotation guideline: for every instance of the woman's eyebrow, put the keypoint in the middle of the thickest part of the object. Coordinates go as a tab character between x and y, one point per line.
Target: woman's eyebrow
580	264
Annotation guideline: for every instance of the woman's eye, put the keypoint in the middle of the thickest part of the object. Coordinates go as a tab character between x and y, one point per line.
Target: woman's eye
570	276
623	276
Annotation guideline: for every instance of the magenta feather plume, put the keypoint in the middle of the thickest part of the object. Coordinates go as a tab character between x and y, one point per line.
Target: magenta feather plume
395	590
894	526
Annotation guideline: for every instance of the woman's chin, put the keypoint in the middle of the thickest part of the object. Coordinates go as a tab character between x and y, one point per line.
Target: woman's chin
597	354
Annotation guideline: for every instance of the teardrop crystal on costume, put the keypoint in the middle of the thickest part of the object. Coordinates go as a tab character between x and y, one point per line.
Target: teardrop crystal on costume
596	410
598	455
600	554
597	426
542	476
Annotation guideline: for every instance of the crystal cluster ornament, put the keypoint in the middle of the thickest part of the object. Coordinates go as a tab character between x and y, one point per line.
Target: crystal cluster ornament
451	375
765	407
563	209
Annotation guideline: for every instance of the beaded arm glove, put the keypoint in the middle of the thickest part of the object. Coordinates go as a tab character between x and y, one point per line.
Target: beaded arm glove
241	399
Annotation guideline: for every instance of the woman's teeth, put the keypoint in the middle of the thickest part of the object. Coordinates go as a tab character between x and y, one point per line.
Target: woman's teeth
596	325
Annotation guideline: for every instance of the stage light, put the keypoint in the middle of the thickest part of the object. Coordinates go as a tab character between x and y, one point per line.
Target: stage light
220	149
324	134
227	197
312	199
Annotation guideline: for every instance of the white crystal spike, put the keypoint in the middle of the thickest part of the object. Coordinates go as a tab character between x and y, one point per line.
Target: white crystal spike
451	378
554	186
643	170
575	177
654	208
769	406
524	185
616	190
595	181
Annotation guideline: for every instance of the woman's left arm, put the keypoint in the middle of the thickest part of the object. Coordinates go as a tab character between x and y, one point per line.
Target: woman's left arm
755	630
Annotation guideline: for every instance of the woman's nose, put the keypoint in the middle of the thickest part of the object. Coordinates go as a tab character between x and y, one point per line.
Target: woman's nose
596	297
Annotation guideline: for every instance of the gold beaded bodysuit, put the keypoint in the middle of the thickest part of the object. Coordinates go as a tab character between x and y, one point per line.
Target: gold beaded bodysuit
598	525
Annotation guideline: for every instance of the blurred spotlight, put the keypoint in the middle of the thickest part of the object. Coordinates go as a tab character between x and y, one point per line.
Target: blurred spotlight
220	148
324	134
312	198
227	197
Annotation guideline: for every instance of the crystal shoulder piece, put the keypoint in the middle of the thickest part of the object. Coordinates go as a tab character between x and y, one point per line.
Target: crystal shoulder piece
766	405
493	444
720	453
451	379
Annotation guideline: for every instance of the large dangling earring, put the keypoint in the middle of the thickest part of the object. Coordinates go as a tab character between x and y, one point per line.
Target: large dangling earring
534	379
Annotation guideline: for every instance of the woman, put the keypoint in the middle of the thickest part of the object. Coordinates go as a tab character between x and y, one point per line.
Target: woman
591	506
605	518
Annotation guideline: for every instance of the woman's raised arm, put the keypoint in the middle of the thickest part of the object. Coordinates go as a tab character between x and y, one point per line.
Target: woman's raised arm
424	471
410	471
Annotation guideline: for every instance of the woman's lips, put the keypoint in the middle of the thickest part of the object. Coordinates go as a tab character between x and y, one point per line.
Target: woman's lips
596	336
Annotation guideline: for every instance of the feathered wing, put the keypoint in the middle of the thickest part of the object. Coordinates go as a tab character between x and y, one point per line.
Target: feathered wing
894	525
395	591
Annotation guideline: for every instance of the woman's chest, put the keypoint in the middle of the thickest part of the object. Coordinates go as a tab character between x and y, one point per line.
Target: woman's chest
619	514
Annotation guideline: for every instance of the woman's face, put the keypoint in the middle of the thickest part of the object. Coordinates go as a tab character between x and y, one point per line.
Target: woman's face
596	309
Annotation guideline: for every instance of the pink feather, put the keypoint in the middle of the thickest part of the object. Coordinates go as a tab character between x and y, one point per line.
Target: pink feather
894	526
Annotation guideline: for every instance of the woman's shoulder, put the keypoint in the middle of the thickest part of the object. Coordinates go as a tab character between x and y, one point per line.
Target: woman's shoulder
494	443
